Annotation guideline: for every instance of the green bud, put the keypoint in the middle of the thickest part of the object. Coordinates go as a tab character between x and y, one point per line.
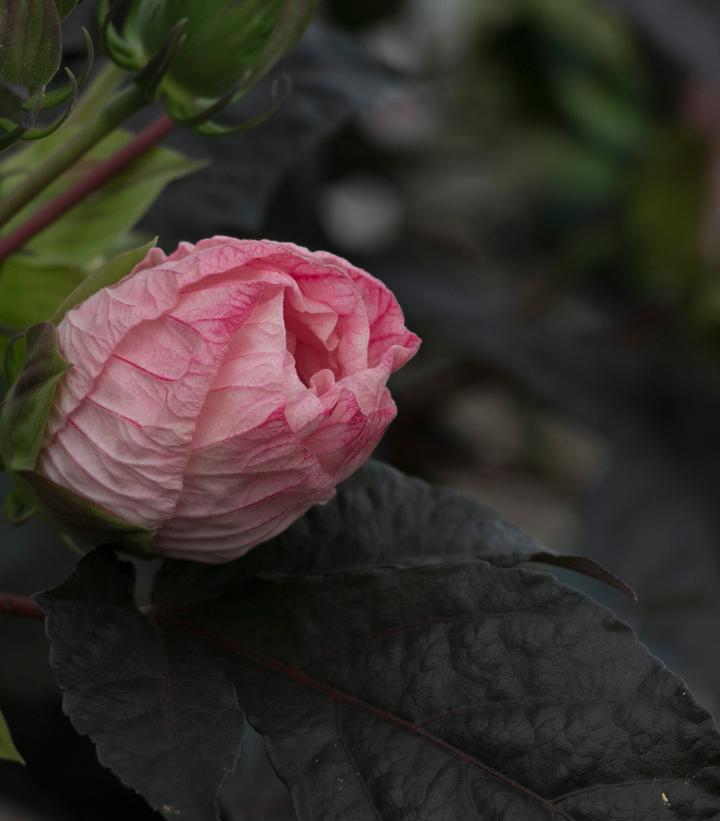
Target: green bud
225	41
30	53
30	45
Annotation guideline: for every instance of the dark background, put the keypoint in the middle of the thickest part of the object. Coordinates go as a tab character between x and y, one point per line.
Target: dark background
539	182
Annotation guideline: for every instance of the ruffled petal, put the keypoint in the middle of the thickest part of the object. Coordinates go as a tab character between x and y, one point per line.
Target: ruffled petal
347	434
218	392
387	323
126	443
242	491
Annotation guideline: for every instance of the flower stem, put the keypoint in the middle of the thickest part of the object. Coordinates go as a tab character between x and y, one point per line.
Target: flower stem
22	606
85	186
119	108
105	83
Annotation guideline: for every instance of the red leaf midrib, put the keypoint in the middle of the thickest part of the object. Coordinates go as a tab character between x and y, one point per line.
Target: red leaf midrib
336	695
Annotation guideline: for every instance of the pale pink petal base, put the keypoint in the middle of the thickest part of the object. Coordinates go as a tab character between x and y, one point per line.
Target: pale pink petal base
218	393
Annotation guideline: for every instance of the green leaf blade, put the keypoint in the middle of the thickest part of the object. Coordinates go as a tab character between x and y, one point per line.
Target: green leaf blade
99	226
30	292
8	750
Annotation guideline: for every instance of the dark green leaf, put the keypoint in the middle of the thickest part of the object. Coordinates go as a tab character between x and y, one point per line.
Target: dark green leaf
161	711
24	414
460	692
8	752
379	517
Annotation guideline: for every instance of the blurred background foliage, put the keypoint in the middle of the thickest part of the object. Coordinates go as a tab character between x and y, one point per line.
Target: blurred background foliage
539	181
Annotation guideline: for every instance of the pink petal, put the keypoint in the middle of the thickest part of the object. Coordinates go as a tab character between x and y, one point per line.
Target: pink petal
387	323
219	392
242	491
347	435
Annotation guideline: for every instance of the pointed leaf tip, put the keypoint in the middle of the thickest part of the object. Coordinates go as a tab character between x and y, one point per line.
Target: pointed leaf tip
8	750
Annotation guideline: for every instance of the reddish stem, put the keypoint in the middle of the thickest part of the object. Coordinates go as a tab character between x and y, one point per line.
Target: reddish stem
20	606
56	208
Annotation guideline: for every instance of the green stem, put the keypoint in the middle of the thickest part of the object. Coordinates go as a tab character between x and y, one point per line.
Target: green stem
105	83
119	108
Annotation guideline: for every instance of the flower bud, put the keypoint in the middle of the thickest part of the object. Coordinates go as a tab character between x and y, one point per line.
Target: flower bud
30	47
223	41
201	404
30	53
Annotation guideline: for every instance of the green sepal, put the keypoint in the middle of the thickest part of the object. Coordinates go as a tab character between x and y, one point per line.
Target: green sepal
110	273
12	120
84	519
8	751
13	356
41	132
17	509
23	421
25	412
8	138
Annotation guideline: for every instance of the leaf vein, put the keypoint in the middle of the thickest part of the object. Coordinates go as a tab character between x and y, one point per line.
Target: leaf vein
334	693
491	705
353	761
418	625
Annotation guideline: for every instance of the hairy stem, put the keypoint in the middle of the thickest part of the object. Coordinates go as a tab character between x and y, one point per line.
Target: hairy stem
11	603
85	186
118	109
